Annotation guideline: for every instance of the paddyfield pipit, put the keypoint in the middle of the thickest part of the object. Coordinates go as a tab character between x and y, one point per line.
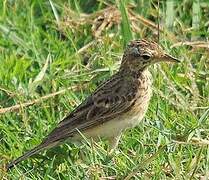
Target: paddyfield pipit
119	103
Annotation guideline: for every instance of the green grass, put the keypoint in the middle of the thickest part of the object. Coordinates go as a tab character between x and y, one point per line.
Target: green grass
39	56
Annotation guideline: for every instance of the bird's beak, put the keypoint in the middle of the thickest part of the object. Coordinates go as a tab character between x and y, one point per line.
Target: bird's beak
170	58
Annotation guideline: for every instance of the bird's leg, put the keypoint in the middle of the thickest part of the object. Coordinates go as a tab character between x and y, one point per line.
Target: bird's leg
113	141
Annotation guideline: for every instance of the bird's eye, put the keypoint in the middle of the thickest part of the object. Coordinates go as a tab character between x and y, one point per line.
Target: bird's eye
146	56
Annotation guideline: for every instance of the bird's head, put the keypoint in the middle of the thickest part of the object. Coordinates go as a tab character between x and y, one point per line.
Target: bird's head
139	54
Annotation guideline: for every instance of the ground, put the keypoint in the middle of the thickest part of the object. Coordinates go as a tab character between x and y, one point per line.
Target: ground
53	54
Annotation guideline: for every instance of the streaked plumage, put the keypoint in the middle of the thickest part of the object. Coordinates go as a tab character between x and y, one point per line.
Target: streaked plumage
119	103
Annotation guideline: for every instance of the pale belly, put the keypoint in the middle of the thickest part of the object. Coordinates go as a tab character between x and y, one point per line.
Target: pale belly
115	126
130	119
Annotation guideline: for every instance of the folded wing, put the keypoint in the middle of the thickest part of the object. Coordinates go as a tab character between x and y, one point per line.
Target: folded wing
111	99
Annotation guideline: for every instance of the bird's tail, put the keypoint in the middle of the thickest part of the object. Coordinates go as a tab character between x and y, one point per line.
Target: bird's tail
26	155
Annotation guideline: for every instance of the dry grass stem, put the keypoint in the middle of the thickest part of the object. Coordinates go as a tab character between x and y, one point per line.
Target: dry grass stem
36	101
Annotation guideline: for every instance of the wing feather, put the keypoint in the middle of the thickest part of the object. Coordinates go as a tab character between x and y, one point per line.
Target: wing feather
106	103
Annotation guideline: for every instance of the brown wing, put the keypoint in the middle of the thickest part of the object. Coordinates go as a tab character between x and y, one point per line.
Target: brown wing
111	99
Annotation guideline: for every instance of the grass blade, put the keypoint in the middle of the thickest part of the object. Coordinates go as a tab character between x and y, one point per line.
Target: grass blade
169	19
125	24
195	18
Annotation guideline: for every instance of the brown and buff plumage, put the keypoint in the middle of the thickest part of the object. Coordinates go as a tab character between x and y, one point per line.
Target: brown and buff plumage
119	103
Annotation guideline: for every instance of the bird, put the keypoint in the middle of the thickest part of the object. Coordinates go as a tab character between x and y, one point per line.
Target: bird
117	104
